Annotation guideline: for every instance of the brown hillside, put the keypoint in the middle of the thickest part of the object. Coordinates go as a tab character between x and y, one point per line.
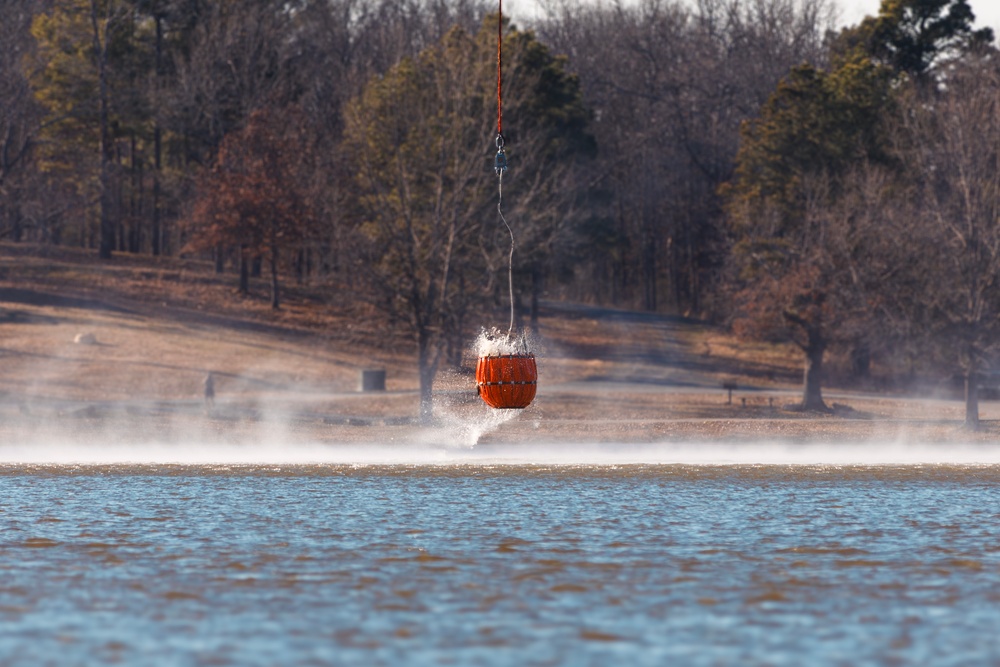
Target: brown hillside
160	325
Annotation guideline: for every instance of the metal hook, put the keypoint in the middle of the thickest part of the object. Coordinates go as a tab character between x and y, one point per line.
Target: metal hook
500	163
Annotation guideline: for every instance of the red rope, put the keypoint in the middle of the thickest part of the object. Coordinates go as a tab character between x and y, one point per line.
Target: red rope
499	42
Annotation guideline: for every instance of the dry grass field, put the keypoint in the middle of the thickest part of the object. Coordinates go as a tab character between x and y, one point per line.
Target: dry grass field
158	326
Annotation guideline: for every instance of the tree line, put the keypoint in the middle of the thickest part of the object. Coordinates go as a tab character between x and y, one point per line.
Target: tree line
736	159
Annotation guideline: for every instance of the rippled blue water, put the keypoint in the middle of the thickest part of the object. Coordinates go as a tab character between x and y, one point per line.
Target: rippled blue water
479	564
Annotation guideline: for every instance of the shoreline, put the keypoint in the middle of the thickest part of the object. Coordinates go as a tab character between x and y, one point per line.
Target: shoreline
96	426
562	414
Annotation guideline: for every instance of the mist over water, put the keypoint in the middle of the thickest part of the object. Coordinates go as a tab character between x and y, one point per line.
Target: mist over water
446	447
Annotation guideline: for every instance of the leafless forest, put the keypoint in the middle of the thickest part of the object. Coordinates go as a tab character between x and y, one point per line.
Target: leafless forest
743	161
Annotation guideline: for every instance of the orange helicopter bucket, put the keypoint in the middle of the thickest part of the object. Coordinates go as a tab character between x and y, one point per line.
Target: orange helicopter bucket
507	381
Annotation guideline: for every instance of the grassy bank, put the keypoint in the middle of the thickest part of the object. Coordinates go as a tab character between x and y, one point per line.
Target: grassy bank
84	344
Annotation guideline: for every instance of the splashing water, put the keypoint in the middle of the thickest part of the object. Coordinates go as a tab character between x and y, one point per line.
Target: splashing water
494	342
472	430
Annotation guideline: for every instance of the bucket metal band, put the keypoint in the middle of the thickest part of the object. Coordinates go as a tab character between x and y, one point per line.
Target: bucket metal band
501	383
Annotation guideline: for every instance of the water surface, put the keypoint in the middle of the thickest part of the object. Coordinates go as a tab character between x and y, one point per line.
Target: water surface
486	562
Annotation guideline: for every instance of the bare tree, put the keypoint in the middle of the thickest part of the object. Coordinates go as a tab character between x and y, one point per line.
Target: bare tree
419	140
20	118
77	73
239	58
340	46
952	141
670	84
255	198
102	20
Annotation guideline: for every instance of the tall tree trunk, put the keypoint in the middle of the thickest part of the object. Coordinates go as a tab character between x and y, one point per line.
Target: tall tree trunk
812	392
971	399
157	144
244	271
300	266
106	242
814	348
427	368
275	301
536	290
136	196
649	266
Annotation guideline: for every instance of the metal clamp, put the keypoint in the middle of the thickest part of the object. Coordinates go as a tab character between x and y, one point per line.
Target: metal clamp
500	162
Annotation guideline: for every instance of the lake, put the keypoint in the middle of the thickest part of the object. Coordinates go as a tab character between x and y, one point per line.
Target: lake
560	555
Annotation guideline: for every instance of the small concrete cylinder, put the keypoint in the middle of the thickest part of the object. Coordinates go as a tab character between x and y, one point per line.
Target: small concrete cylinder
373	379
